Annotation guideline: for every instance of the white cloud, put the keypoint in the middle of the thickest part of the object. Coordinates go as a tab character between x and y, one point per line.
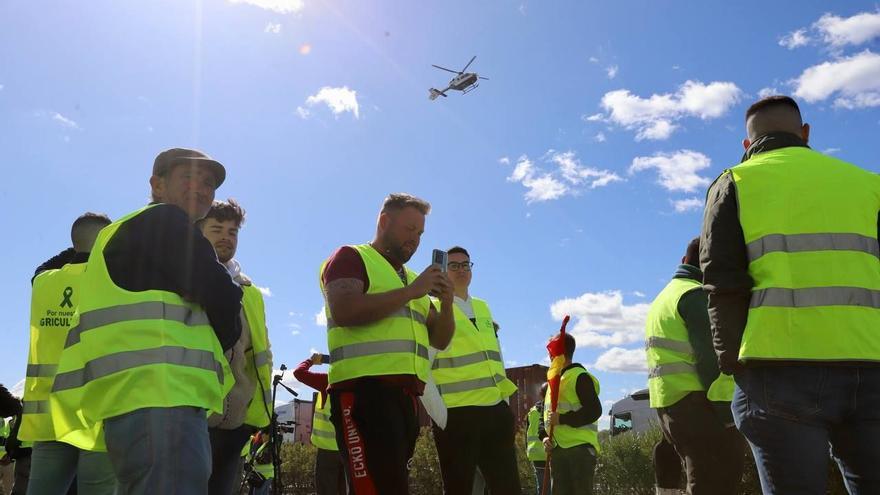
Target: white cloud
273	28
295	332
1	87
511	363
601	319
594	60
794	39
576	174
600	137
279	6
639	294
611	70
64	121
303	113
504	160
568	177
321	318
687	204
622	360
831	151
656	131
768	91
854	80
654	117
17	390
596	117
265	291
338	100
676	171
856	30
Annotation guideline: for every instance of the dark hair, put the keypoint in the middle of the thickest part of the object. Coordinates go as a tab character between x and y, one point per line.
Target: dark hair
458	249
84	230
223	211
772	101
399	201
569	345
692	255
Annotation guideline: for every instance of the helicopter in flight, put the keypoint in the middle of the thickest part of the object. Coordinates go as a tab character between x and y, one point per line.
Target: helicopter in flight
463	81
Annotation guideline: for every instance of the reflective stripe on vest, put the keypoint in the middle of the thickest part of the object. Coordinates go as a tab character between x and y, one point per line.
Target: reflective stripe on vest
259	363
470	371
394	345
151	310
133	350
810	225
568	436
35	407
127	360
797	243
672	373
54	299
323	432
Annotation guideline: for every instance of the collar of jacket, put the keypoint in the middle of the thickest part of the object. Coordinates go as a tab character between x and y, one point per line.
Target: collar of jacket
688	271
773	141
80	258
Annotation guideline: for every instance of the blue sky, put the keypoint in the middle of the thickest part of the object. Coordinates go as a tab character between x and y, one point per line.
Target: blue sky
575	175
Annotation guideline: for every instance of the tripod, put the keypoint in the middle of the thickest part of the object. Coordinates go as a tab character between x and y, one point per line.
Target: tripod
276	430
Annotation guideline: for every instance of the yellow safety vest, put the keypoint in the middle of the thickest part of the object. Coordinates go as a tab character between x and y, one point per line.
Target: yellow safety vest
259	359
394	345
54	299
810	227
470	372
534	446
133	350
568	436
323	432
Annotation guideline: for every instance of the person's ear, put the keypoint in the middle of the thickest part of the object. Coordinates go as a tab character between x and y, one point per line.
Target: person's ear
157	187
746	144
805	133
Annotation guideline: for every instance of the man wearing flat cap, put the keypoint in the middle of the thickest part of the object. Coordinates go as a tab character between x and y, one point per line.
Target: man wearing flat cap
145	355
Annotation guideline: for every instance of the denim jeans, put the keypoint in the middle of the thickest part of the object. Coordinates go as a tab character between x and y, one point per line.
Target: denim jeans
226	457
791	414
572	470
160	450
55	464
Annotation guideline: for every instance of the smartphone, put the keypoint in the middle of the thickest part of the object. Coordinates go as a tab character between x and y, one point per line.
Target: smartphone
325	359
440	258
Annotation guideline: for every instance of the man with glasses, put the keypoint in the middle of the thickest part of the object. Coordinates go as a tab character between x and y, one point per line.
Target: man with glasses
470	377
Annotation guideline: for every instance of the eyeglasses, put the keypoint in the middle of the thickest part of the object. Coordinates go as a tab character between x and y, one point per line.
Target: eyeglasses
455	266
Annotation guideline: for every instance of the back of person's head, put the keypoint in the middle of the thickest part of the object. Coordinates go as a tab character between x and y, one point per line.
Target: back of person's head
776	113
224	211
85	230
692	254
569	346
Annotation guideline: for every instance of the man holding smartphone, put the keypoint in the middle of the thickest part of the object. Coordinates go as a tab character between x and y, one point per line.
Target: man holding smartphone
470	377
380	322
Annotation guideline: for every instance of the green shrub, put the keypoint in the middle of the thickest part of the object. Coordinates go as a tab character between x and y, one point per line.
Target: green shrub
625	467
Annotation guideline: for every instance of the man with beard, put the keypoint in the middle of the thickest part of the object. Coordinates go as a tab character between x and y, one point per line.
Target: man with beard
380	323
247	406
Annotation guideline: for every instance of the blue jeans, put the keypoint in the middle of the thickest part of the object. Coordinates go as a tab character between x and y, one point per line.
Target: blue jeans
160	450
55	464
791	414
